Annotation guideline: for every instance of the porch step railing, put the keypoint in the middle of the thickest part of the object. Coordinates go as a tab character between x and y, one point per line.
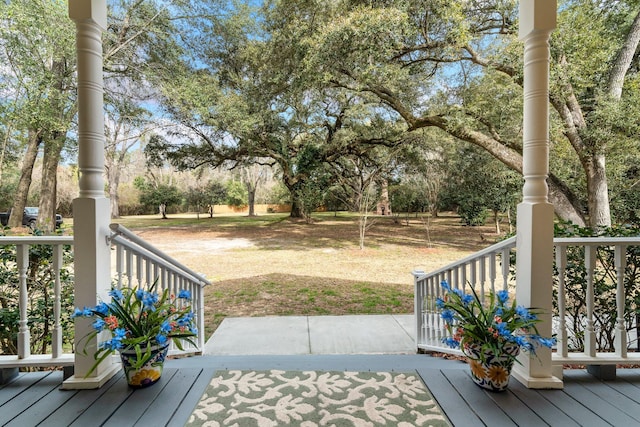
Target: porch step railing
494	269
136	262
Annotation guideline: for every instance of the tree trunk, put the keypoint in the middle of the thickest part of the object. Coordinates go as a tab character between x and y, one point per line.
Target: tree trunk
113	177
252	200
47	212
597	188
496	221
114	202
22	193
296	208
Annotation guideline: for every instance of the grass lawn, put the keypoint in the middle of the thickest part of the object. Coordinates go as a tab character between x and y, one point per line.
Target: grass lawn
274	265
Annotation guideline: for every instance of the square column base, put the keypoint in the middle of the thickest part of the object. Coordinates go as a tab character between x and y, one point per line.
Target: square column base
536	382
89	383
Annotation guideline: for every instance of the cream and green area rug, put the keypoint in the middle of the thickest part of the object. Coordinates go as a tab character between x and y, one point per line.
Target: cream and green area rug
313	398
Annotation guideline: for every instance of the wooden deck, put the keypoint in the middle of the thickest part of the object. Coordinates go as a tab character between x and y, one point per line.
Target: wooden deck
35	398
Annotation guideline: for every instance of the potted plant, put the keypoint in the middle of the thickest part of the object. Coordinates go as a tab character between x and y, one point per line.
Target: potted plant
140	323
490	333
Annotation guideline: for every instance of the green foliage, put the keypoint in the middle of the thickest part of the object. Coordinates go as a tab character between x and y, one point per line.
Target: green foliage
153	196
237	194
201	197
8	187
41	300
605	285
476	183
472	211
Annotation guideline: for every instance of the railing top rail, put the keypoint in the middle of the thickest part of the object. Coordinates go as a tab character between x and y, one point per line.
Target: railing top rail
596	241
120	230
507	243
36	240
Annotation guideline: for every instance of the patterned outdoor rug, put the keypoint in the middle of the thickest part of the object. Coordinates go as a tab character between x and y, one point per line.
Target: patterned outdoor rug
311	398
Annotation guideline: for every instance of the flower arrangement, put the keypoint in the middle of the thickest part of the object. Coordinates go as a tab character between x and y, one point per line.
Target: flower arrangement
497	326
139	320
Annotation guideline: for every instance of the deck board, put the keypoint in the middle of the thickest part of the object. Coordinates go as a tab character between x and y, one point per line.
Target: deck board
75	406
515	408
104	406
609	414
191	399
608	392
28	397
486	409
550	414
133	409
41	409
36	399
448	398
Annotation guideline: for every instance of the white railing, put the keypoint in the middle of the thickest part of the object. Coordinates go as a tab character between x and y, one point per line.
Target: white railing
137	262
23	244
487	269
484	269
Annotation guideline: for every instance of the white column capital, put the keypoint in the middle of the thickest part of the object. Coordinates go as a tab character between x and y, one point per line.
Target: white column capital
89	10
537	16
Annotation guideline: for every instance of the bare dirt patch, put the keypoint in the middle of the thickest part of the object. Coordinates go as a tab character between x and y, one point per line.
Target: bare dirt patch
279	266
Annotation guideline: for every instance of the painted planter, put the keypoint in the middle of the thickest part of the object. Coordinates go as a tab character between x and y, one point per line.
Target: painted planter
149	373
488	370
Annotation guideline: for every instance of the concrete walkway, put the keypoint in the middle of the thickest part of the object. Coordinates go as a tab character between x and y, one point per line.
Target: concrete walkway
298	335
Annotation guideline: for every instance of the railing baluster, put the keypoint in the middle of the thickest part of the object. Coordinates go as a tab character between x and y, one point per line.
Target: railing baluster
589	332
506	270
620	338
56	334
561	264
24	336
139	271
129	264
482	273
119	265
492	270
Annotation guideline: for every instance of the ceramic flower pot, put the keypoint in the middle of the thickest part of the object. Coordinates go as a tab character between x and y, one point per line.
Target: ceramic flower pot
150	372
488	370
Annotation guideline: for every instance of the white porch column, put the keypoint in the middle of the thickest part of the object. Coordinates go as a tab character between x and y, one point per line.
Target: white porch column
92	255
534	250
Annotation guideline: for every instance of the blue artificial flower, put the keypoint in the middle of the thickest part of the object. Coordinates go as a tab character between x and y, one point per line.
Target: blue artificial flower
186	319
102	308
184	294
547	342
503	296
439	303
499	311
467	299
458	292
112	344
161	339
140	294
165	327
520	340
447	316
194	330
451	342
525	314
119	333
149	301
116	294
98	324
445	285
503	330
77	313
